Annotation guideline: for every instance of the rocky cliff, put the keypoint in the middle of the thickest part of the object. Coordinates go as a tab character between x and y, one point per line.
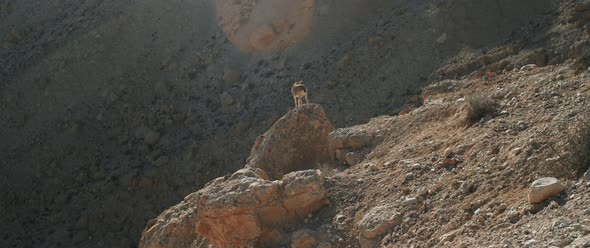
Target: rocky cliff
492	156
260	205
112	111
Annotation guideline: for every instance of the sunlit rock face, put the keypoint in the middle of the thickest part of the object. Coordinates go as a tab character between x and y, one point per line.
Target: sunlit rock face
259	26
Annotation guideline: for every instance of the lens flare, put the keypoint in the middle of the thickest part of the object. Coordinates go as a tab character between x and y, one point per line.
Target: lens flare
260	26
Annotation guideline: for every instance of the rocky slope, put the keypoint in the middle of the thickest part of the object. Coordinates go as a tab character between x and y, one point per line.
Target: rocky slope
428	177
462	169
111	111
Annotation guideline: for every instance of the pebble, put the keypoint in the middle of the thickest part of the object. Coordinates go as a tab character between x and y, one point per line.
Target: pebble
513	215
409	201
531	242
521	126
340	217
422	191
448	152
450	162
448	236
466	187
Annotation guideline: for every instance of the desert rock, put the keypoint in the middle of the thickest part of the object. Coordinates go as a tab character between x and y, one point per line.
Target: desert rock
241	210
378	221
544	188
297	141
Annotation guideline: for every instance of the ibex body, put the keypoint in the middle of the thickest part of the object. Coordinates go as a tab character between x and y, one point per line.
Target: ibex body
299	92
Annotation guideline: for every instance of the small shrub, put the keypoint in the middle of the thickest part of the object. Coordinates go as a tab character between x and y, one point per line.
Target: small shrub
480	106
579	146
571	156
581	64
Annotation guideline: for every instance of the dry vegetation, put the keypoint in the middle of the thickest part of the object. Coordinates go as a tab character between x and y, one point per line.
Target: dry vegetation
480	106
579	145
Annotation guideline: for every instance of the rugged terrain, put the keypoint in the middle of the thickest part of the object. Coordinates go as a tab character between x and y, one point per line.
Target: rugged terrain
112	111
455	171
428	177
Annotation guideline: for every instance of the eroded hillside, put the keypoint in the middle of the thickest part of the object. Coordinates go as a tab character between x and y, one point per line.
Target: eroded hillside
456	171
112	111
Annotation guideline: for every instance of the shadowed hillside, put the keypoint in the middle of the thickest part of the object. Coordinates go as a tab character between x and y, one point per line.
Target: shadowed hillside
112	111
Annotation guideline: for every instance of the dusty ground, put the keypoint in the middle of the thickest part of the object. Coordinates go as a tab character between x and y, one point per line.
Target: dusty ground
501	156
111	111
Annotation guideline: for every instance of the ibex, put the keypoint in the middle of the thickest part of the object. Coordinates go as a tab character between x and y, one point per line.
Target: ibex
299	91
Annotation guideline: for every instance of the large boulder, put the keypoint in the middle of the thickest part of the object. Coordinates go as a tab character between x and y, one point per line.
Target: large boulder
241	210
297	141
257	205
544	188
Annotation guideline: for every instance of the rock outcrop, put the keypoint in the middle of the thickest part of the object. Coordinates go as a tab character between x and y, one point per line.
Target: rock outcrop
242	210
347	144
175	227
256	206
297	141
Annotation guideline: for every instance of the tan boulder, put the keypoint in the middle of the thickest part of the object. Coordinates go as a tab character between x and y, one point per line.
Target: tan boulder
345	143
544	188
377	222
241	210
297	141
305	192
